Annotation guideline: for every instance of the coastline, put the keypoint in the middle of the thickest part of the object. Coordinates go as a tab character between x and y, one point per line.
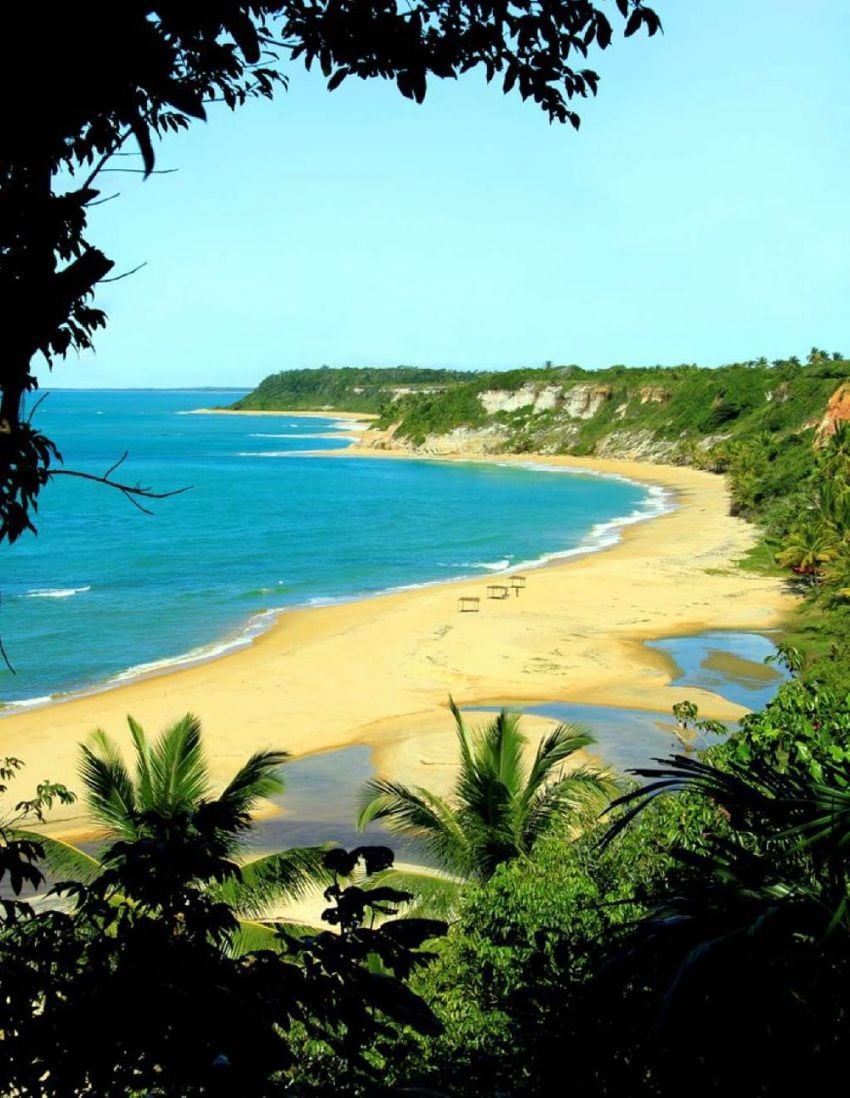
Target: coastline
295	415
378	671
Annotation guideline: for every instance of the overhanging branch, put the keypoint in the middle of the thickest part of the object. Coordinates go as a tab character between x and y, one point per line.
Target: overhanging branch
132	492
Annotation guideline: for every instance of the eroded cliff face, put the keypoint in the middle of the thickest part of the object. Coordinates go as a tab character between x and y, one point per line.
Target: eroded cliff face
537	398
548	418
837	411
581	401
461	440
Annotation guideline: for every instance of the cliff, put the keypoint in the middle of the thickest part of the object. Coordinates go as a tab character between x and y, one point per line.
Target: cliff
678	414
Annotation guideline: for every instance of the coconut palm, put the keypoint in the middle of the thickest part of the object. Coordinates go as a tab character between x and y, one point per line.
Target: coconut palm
807	548
499	806
172	778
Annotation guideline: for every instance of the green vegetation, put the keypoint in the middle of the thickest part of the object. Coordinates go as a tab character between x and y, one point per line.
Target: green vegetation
664	412
700	933
500	806
129	984
343	390
631	952
171	778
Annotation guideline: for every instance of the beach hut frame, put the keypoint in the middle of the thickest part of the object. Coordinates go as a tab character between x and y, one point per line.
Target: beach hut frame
497	591
469	604
517	584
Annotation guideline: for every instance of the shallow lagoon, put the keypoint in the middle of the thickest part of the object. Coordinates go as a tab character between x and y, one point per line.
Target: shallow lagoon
320	800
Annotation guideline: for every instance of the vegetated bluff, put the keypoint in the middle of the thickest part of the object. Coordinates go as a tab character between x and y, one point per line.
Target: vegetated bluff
344	390
680	414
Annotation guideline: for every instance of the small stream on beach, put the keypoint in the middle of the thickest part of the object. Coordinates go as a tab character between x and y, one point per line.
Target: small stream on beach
319	804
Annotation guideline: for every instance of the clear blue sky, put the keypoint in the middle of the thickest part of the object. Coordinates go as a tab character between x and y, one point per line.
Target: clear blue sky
700	215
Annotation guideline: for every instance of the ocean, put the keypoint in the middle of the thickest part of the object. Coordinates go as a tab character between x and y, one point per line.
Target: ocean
105	592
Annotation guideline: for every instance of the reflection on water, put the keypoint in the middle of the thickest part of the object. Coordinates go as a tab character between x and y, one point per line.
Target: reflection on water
319	802
625	738
319	805
729	664
726	663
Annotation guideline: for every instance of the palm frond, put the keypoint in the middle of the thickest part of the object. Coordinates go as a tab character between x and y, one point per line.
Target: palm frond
464	736
435	896
585	791
259	777
416	813
253	935
492	775
109	788
557	747
177	767
63	861
276	878
497	762
144	779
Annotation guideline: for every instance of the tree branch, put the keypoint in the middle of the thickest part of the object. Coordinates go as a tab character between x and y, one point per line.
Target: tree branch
126	274
140	171
132	492
119	141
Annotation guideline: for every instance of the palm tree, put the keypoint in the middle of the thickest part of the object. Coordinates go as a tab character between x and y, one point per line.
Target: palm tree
807	548
172	778
499	807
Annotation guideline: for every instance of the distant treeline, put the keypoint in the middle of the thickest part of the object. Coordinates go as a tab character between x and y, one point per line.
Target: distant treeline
349	389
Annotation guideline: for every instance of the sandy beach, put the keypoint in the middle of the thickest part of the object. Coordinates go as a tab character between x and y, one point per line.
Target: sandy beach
379	671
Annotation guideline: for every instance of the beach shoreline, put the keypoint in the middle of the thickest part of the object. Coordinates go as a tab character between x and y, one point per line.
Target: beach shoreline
378	671
365	416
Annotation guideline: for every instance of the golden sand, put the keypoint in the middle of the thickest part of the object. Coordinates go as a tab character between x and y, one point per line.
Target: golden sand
379	671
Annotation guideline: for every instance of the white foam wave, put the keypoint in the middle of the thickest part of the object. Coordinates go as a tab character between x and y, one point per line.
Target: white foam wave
274	453
492	565
55	592
30	703
283	434
257	624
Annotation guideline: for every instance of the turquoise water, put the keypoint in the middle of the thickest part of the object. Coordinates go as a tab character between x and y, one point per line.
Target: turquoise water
105	590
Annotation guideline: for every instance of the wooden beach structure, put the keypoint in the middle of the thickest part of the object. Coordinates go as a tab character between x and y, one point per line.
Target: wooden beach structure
517	584
469	604
497	591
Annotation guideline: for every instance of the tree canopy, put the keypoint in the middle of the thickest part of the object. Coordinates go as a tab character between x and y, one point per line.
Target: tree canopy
83	80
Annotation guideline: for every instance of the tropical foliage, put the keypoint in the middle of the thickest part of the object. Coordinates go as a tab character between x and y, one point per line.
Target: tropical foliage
171	778
711	901
751	932
129	984
500	805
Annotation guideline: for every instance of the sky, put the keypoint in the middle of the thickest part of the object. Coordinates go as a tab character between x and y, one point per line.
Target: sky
700	215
